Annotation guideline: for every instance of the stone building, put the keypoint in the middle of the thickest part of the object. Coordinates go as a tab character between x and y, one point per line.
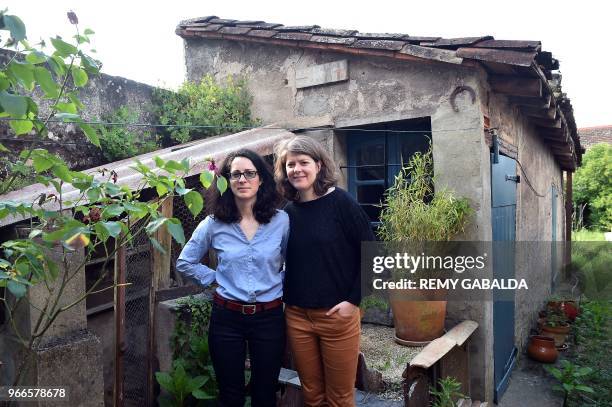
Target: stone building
502	133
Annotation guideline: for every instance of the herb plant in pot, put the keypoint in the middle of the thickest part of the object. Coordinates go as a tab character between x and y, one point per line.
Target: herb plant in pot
556	326
413	214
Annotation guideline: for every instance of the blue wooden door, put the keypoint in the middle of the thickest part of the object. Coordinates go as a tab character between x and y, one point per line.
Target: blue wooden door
503	214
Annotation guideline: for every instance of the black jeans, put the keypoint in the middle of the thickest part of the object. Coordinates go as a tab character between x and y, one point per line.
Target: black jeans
229	334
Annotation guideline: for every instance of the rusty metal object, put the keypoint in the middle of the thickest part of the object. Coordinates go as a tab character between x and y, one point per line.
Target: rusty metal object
457	91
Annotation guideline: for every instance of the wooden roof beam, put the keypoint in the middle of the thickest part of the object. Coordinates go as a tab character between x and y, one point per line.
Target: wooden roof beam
521	86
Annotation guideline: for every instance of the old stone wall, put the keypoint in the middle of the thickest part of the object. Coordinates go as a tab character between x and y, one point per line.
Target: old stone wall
102	96
540	188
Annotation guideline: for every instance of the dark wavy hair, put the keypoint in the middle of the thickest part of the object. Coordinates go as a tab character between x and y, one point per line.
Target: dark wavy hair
223	207
326	177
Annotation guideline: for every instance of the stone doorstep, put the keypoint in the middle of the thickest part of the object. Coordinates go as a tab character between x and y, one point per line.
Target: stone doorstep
470	403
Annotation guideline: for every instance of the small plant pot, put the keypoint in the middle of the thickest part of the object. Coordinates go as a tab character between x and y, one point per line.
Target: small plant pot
558	333
542	349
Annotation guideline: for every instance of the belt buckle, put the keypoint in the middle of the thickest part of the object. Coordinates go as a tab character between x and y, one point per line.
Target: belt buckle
249	309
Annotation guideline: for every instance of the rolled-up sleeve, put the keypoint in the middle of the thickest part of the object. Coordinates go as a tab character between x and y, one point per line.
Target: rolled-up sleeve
196	248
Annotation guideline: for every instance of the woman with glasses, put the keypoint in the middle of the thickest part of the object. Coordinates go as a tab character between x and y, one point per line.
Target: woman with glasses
322	282
250	237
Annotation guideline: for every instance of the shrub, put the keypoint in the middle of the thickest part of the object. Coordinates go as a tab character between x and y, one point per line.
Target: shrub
119	142
593	186
225	107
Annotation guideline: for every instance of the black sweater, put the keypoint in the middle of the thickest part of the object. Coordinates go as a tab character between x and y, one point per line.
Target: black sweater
324	251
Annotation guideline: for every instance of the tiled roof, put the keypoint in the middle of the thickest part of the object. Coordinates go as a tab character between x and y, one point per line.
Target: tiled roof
519	69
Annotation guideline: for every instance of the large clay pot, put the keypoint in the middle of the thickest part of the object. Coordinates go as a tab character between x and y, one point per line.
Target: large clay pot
417	322
542	349
558	333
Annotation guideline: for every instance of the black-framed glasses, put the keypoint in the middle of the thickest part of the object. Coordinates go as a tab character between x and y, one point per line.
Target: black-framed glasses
249	174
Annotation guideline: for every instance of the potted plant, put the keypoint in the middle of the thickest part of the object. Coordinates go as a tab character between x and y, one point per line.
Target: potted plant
413	213
556	326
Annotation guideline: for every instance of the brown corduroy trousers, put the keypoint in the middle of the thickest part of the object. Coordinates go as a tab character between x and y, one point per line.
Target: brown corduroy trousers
325	350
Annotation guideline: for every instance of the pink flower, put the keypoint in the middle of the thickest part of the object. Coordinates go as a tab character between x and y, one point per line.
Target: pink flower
212	167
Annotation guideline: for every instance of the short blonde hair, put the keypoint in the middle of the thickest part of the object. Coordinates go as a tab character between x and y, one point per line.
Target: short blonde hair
326	178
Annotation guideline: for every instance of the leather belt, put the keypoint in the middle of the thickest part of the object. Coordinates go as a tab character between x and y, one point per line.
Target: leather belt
246	308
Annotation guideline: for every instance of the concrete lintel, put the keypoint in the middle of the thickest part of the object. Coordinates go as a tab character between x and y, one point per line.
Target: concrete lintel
361	121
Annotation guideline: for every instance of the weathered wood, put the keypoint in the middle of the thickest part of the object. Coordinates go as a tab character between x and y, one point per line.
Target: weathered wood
441	55
539	103
433	352
549	114
461	332
160	262
416	387
332	72
554	124
456	364
511	85
494	55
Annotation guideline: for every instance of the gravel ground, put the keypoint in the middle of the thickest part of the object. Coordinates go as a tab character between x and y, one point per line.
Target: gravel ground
383	354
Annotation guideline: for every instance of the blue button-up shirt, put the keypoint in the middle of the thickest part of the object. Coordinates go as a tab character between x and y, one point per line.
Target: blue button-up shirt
247	270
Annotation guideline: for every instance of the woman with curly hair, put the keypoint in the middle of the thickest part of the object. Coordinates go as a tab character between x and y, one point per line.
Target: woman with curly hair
322	282
250	237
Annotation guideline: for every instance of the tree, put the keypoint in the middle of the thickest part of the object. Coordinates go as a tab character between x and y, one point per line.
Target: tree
593	186
103	209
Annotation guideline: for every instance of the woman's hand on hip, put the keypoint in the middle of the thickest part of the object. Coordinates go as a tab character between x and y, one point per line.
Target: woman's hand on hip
344	309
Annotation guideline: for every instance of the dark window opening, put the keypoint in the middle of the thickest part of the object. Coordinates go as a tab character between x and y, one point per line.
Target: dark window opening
376	154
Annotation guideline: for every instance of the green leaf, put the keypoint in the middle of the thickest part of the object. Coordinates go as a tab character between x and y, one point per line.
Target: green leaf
91	134
15	26
63	48
165	381
62	172
3	149
101	232
41	163
46	82
67	116
194	202
23	72
113	210
584	388
202	395
57	64
568	387
157	245
221	184
17	289
16	105
79	76
113	228
21	126
89	64
155	224
176	230
36	57
172	166
88	31
66	107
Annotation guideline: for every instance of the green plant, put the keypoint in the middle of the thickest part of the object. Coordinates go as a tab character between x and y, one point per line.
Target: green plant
218	108
119	142
571	378
190	351
373	302
593	186
555	317
180	386
412	212
449	391
97	218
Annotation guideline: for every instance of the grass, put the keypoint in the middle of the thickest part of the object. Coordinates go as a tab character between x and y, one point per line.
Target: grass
593	340
585	235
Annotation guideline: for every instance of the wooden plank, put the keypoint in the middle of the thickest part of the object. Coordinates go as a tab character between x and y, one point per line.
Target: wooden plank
315	75
433	352
441	55
494	55
120	344
416	387
540	103
510	85
456	364
462	331
548	123
160	262
550	113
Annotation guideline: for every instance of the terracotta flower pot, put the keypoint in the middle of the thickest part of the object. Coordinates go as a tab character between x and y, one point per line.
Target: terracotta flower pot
542	349
418	322
558	333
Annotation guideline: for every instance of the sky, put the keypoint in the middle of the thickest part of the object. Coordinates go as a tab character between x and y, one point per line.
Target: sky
136	39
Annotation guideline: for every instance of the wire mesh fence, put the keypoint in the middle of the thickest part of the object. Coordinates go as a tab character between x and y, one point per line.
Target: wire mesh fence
136	358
